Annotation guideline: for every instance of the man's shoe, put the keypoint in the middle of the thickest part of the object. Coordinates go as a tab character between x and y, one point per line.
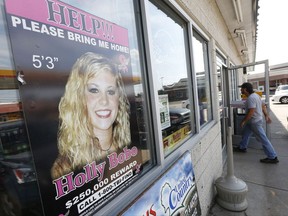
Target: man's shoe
268	160
238	149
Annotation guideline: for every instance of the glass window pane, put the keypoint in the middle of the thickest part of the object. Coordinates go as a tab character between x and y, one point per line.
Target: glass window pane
220	61
84	101
19	193
169	68
200	54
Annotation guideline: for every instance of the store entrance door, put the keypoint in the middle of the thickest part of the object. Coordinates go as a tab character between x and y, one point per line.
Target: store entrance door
258	75
223	98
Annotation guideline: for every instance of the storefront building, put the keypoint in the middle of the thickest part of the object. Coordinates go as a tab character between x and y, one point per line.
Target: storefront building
278	75
118	107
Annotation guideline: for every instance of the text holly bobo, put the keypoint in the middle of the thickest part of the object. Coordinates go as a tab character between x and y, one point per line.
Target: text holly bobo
68	183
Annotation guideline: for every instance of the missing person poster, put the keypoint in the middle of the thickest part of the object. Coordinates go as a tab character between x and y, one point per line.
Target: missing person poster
77	95
174	193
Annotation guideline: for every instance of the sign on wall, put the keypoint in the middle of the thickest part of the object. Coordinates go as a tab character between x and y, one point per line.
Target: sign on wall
164	111
174	193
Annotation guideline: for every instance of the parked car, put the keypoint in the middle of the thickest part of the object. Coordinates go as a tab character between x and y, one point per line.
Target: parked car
18	186
186	104
179	116
281	94
19	193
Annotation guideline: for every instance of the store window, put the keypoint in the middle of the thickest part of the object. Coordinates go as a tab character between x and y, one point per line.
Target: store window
221	62
84	102
234	87
170	70
19	193
80	154
201	66
222	95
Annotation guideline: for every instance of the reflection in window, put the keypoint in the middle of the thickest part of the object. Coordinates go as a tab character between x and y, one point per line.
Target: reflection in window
219	87
169	65
234	88
220	84
200	50
220	61
18	183
12	140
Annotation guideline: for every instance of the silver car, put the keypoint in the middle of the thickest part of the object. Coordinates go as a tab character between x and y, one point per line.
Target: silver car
281	94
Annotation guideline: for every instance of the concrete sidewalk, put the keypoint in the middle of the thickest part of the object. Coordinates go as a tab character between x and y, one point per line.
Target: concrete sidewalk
267	183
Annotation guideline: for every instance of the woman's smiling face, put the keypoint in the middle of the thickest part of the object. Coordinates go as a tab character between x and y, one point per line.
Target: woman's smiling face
102	98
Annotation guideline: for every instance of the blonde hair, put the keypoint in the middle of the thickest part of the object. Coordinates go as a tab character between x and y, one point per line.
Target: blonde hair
76	141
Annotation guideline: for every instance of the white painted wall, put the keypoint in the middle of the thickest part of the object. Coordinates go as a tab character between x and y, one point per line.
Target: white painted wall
207	153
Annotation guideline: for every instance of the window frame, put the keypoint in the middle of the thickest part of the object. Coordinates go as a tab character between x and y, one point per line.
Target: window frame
207	66
162	163
168	8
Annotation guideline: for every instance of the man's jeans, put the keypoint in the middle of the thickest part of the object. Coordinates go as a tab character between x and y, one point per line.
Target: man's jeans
260	135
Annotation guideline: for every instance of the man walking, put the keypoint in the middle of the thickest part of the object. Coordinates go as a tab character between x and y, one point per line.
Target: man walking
252	123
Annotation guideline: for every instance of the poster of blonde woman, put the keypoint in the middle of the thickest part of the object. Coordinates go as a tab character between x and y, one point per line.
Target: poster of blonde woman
79	104
94	105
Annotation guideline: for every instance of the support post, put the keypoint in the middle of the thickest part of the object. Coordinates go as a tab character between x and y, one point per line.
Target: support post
231	191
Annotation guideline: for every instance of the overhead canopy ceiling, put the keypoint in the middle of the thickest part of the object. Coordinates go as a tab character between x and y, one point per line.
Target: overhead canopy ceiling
241	19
